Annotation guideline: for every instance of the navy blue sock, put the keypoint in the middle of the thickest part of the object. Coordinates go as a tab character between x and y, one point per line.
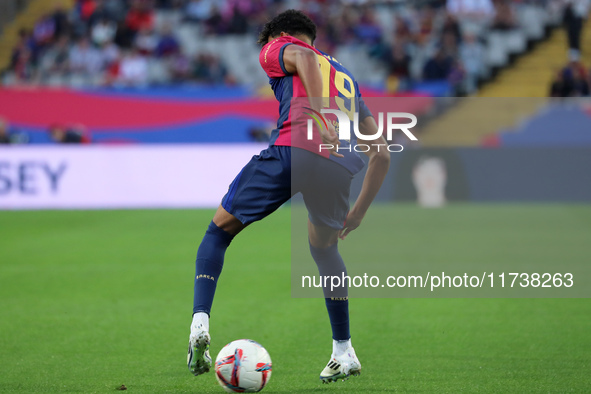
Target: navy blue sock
330	263
208	267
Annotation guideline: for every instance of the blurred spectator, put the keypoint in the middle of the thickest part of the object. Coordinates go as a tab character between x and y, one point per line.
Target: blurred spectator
208	68
368	29
238	22
451	27
472	56
9	136
558	87
578	79
4	135
140	16
398	62
112	71
169	4
110	53
456	78
571	81
124	36
504	19
146	41
168	43
61	23
438	67
24	68
44	30
84	59
86	8
103	31
180	67
25	43
215	23
101	14
449	45
56	60
473	9
116	9
575	13
199	10
133	69
403	30
426	24
63	134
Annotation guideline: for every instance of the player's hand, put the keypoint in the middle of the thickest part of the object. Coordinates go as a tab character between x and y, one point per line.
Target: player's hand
331	137
351	223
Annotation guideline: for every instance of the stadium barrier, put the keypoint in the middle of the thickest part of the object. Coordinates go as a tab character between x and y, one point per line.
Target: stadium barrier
140	176
198	175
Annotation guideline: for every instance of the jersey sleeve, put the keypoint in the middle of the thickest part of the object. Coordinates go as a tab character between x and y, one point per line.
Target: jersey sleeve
364	112
271	58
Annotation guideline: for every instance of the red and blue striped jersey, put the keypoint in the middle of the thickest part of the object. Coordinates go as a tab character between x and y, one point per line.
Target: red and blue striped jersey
337	83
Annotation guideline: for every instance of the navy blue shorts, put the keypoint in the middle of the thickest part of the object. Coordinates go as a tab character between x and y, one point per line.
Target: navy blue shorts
279	172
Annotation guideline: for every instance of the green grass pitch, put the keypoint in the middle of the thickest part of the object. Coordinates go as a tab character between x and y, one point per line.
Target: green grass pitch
93	300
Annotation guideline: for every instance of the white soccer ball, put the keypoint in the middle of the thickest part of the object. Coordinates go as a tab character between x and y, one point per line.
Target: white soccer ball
243	366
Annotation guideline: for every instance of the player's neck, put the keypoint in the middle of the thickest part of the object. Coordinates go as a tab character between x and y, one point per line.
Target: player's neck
305	39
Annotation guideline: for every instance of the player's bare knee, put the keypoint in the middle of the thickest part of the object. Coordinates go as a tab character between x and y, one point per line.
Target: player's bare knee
227	222
322	237
323	242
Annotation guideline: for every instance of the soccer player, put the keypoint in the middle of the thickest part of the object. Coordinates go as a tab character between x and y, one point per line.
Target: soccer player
295	69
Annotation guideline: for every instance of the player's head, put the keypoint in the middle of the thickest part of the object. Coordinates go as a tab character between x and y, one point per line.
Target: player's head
291	23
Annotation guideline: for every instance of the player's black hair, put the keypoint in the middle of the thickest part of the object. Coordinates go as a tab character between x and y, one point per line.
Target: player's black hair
291	22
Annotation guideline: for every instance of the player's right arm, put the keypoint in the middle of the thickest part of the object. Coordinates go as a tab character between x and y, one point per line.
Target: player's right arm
377	168
303	62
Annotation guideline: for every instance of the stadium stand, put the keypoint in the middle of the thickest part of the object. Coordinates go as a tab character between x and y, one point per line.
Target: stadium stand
24	14
532	76
194	51
411	45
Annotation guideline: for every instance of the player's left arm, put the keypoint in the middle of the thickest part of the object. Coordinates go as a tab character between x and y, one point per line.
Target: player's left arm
377	168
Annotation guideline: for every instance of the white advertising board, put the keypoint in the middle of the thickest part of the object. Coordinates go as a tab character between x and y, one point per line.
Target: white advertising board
138	176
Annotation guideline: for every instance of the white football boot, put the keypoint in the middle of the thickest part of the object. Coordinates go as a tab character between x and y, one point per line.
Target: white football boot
198	358
341	366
